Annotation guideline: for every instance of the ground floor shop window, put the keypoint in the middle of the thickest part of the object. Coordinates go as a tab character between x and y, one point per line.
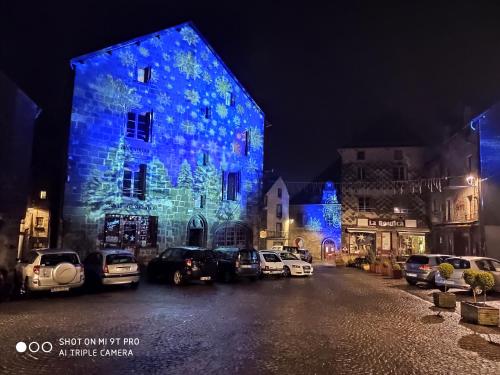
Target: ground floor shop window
361	243
411	244
233	235
127	231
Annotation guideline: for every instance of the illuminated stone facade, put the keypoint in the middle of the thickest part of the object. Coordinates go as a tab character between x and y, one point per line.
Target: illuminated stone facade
166	148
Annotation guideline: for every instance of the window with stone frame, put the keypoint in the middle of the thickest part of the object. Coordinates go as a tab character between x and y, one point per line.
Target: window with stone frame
279	211
363	204
399	173
361	173
144	74
134	181
231	182
139	126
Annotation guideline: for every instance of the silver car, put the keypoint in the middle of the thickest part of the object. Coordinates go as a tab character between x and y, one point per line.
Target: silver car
460	264
49	269
423	268
112	267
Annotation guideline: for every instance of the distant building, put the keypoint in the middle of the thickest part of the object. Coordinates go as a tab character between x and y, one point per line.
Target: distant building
166	148
17	121
315	223
276	220
381	210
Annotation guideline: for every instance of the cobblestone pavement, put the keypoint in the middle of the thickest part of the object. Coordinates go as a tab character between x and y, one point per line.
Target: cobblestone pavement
340	321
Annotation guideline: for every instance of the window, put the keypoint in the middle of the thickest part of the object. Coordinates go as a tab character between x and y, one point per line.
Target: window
399	173
360	155
469	163
208	112
361	173
230	101
200	202
247	142
398	155
265	200
144	74
205	158
39	221
139	125
363	204
43	194
448	210
280	192
279	210
279	229
134	182
231	186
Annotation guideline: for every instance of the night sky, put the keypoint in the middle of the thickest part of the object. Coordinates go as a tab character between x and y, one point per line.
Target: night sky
326	75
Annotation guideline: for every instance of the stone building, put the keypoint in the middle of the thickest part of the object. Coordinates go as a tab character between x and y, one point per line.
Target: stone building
276	218
383	208
165	148
315	222
464	215
18	114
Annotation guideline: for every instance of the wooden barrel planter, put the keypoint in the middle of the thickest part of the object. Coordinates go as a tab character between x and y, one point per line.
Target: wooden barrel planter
445	300
479	314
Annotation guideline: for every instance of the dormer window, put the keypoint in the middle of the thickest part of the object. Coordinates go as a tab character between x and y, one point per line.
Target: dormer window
144	74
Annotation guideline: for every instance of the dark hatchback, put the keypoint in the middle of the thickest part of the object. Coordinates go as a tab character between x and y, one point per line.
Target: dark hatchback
423	268
237	263
183	264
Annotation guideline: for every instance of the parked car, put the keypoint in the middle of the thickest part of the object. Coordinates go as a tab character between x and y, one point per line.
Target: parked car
49	269
423	268
270	263
184	264
234	263
304	254
111	267
294	266
460	264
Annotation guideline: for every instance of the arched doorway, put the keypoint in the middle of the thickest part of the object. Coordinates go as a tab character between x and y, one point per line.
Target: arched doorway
197	231
328	248
233	234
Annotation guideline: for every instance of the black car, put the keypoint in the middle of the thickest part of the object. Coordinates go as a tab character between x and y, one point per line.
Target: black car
184	264
235	262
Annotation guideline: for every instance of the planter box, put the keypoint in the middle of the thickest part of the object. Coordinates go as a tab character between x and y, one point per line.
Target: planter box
479	314
445	300
397	274
366	267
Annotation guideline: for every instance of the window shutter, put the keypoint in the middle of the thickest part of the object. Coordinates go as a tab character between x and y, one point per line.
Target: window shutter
238	182
223	181
150	126
247	142
142	182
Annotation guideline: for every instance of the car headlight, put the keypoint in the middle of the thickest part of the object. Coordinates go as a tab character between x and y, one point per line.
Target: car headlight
295	266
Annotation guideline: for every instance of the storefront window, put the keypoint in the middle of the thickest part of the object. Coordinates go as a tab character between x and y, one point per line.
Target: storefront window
361	243
130	231
411	244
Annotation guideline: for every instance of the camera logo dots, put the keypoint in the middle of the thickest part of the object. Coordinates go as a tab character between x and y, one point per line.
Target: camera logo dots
34	347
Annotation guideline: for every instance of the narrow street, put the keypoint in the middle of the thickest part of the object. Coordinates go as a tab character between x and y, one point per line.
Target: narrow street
340	321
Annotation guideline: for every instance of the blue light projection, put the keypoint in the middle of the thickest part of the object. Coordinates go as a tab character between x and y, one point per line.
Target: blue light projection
203	126
325	218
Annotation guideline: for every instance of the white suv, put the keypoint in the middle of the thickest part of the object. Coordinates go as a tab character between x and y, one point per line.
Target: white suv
49	269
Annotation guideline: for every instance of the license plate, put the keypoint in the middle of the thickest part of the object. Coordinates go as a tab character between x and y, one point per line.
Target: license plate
60	289
205	278
411	274
245	266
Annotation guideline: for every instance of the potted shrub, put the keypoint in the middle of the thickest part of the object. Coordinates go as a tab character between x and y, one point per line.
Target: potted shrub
385	268
445	299
370	256
397	272
476	312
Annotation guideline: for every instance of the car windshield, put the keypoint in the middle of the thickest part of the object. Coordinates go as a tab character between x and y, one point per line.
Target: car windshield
119	258
458	264
271	258
248	256
418	259
50	260
288	256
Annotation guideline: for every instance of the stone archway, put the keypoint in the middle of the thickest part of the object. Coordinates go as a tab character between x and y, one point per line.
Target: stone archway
197	231
328	248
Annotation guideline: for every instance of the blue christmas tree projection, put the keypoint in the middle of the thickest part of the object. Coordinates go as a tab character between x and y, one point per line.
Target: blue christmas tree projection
161	133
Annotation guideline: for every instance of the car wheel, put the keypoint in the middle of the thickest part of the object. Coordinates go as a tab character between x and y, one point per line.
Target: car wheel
227	277
286	271
411	282
177	278
151	277
134	285
209	282
442	288
253	279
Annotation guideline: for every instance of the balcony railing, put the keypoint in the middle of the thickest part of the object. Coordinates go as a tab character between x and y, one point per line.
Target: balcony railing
277	234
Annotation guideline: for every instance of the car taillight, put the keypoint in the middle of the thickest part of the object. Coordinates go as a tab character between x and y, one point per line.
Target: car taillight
189	262
425	267
237	263
266	267
36	270
105	269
